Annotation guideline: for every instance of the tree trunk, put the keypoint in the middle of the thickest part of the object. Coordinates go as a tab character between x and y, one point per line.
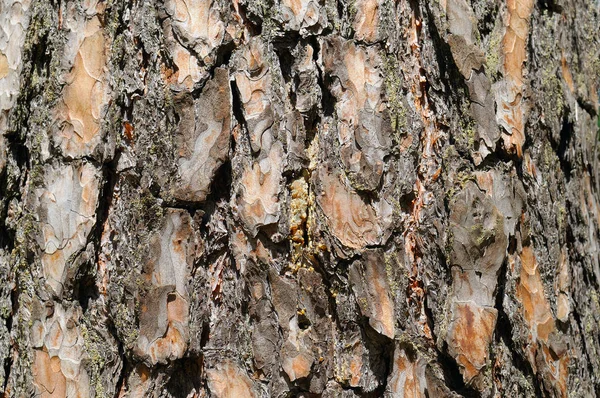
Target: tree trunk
303	198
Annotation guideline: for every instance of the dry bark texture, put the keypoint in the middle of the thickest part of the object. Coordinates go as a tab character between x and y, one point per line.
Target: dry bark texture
299	198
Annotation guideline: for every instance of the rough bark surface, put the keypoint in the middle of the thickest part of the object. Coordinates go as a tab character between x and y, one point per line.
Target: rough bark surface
299	198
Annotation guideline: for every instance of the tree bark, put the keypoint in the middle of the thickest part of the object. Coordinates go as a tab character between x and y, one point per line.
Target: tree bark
299	198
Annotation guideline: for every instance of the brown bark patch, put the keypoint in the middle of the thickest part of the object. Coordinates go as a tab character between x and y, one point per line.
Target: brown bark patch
203	138
164	314
67	211
364	125
372	291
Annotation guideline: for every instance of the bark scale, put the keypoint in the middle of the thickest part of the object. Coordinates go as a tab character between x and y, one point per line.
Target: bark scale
299	198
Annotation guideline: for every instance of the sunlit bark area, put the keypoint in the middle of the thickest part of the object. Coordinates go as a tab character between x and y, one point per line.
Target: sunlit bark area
299	198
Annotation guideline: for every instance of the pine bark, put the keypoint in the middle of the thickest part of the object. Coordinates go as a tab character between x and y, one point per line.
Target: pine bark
299	198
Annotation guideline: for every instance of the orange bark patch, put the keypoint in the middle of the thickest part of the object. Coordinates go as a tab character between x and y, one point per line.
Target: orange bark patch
363	129
164	313
515	37
200	23
531	294
298	366
372	291
188	70
259	201
84	95
3	66
408	376
301	14
171	346
366	21
177	308
471	335
538	315
567	74
295	5
383	306
356	364
57	365
511	107
355	223
562	288
253	81
229	381
47	377
364	81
